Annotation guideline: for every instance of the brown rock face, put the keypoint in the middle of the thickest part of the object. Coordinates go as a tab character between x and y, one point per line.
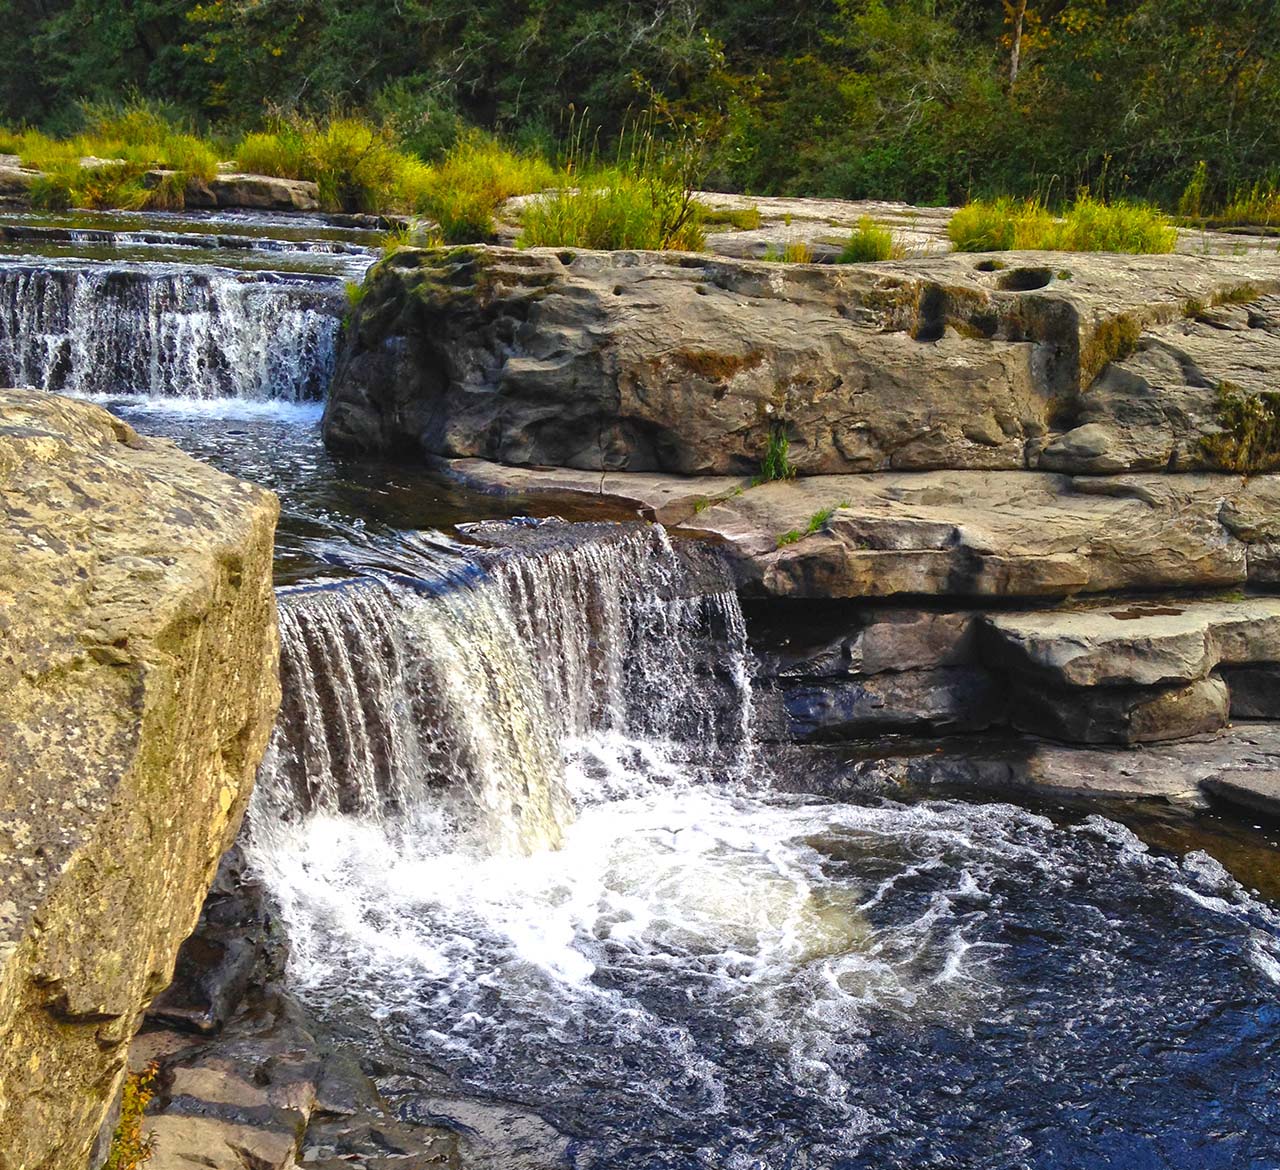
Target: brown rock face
138	665
642	361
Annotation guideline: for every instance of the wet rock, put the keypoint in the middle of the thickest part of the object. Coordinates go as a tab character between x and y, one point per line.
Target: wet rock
961	698
138	661
1256	791
671	362
1255	691
1121	715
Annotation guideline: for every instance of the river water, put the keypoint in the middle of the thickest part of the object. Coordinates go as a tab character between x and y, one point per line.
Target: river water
532	862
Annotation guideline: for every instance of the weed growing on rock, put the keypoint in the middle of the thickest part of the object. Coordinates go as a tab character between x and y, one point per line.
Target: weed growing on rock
742	219
1249	442
776	463
129	1148
869	242
1114	339
790	537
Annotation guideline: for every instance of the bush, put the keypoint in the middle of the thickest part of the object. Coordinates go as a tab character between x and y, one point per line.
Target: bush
129	1149
869	242
1088	225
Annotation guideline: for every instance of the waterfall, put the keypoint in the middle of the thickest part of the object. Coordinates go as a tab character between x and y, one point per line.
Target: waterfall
468	701
156	331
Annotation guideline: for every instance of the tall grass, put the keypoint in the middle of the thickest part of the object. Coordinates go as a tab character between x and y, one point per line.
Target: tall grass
870	241
642	199
1256	206
1087	225
128	141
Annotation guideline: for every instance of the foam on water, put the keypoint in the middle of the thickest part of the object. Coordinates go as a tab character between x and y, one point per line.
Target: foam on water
708	973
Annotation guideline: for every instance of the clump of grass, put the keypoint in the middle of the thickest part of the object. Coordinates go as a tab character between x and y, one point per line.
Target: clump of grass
869	242
796	252
1191	201
126	141
129	1148
1088	225
816	522
742	219
476	177
776	463
790	537
1256	206
611	211
1249	442
357	165
1241	294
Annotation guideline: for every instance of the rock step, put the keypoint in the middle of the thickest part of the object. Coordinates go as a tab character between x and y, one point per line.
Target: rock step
1258	790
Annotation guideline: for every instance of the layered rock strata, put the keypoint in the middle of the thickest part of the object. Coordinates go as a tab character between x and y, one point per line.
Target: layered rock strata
138	664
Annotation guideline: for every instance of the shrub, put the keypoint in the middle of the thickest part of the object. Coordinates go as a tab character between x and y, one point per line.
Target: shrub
129	1149
1088	225
1249	441
870	242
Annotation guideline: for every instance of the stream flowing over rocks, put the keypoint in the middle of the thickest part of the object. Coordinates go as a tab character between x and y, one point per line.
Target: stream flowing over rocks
622	811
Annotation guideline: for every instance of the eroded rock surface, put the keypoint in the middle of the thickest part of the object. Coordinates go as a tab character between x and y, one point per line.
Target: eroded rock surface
640	361
138	664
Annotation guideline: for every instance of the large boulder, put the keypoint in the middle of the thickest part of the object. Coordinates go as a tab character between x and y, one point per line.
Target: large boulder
644	361
138	663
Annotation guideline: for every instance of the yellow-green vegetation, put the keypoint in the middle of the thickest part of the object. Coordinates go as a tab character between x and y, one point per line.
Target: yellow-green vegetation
104	165
796	252
1249	442
357	165
478	175
129	1148
776	463
1087	225
1254	206
742	219
870	241
611	210
817	521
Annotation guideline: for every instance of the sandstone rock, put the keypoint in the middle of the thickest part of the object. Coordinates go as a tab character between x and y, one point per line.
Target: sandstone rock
1154	408
657	361
1137	643
262	192
15	179
1172	771
1121	715
138	663
1256	791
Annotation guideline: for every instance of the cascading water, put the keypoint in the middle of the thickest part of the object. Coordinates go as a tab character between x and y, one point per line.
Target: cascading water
152	330
704	972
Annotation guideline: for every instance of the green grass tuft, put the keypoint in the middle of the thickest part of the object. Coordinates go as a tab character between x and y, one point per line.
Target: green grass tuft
742	219
870	242
776	464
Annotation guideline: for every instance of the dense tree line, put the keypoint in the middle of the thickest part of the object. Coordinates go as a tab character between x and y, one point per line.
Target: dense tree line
919	99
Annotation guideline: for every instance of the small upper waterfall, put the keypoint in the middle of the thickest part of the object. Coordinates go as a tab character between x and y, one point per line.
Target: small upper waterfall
593	641
154	330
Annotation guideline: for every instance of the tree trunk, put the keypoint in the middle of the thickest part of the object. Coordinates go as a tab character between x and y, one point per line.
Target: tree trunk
1015	55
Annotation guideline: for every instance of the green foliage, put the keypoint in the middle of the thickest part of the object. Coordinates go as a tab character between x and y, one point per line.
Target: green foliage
790	537
1113	340
794	252
1087	225
868	242
1249	442
1193	200
776	464
129	1148
476	177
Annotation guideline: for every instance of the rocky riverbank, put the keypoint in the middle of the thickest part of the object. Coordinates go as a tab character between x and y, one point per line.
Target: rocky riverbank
138	659
1030	497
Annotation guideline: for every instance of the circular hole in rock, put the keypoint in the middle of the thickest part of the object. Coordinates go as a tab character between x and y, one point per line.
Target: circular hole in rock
1024	279
989	266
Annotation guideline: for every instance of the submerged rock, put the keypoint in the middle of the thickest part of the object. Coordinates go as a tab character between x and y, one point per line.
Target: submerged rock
138	656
